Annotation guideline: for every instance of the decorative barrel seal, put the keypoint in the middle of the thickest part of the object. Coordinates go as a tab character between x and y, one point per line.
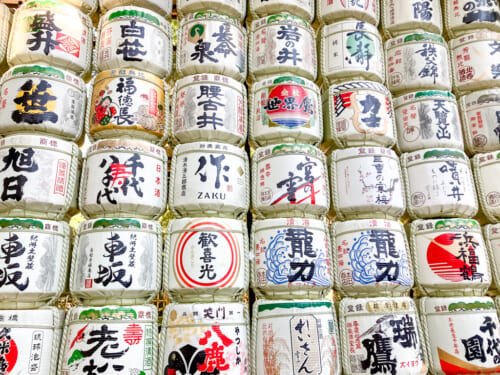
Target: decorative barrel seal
480	112
285	109
206	260
486	169
209	107
289	180
124	178
210	42
453	326
116	261
205	339
491	234
463	16
30	340
133	37
300	8
209	179
34	262
236	9
333	11
439	183
358	113
351	50
475	60
368	323
403	16
366	183
128	103
42	99
417	62
51	32
282	44
371	258
110	338
39	176
291	258
164	7
449	257
427	119
5	26
281	329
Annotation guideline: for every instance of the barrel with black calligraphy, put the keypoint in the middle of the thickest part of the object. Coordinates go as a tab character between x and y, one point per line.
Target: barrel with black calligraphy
209	107
463	16
205	338
475	61
371	258
163	7
450	258
491	233
427	119
358	113
5	25
291	258
236	9
282	328
366	183
486	169
285	109
289	180
30	340
127	337
124	178
51	32
116	261
133	37
210	42
206	260
42	99
438	183
329	11
282	44
209	179
300	8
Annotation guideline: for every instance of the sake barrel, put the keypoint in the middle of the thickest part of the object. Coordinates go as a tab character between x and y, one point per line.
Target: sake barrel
351	50
209	179
133	37
282	44
371	258
236	9
366	183
116	261
427	119
439	183
474	58
205	338
334	11
39	176
51	32
480	113
128	103
291	258
403	16
209	42
486	169
209	107
300	8
86	6
491	234
164	7
30	340
367	323
124	178
285	109
5	25
289	180
281	329
42	99
417	61
358	113
463	16
452	326
127	337
206	260
449	257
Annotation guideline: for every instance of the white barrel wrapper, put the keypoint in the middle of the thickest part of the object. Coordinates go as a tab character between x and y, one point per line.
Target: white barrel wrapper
491	234
124	178
333	11
236	9
366	183
281	328
438	183
486	169
86	6
449	257
371	258
299	8
291	258
116	261
462	16
206	260
164	7
5	26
